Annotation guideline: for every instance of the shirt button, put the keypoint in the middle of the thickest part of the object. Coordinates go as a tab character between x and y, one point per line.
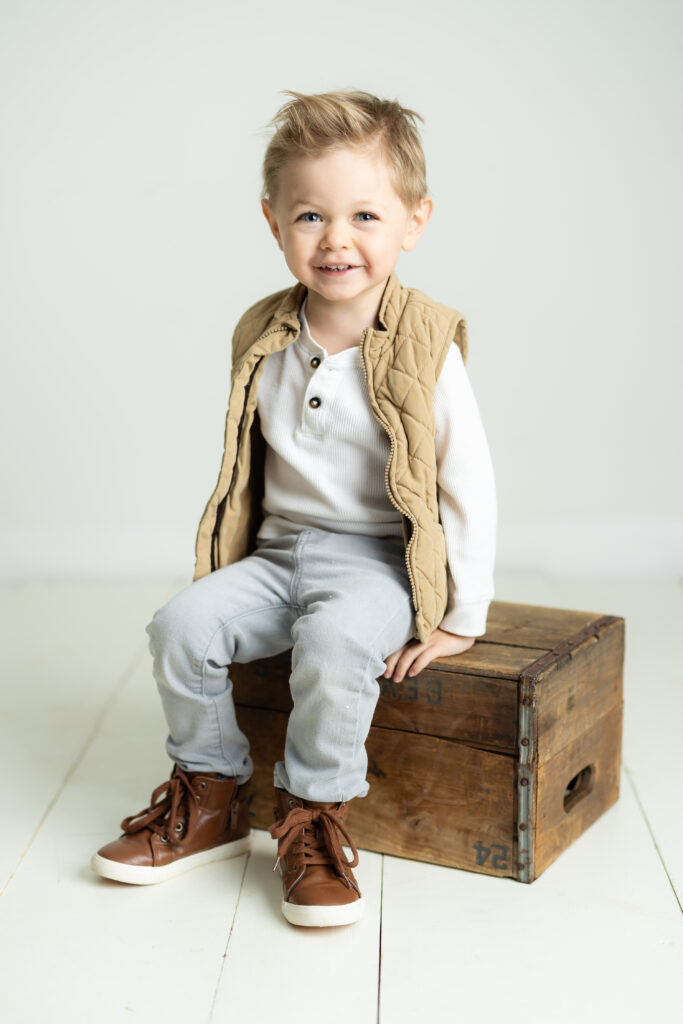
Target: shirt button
314	403
315	362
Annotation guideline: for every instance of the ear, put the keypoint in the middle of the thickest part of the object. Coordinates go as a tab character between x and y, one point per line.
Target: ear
272	220
417	223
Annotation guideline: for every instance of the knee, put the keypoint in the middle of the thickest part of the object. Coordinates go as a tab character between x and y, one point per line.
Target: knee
170	626
321	635
341	649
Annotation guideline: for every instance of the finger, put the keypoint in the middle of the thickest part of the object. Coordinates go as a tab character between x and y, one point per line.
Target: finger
406	662
418	665
390	662
415	669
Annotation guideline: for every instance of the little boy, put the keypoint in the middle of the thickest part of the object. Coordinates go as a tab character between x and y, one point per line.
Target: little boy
353	520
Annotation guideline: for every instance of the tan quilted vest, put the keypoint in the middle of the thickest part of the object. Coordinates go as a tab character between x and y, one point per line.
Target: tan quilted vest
402	360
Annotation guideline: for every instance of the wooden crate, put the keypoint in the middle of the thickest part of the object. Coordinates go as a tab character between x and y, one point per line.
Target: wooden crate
494	760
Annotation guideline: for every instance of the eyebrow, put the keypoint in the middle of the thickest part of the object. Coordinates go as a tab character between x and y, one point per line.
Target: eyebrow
359	202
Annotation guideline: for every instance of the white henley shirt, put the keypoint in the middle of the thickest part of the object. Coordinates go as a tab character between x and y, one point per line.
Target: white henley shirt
325	465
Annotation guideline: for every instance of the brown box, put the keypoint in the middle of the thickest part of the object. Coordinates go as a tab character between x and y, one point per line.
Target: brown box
494	760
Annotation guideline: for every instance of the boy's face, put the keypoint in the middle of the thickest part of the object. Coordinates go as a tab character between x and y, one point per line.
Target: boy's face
341	208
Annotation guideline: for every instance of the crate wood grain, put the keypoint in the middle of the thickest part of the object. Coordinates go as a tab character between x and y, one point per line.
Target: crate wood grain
494	760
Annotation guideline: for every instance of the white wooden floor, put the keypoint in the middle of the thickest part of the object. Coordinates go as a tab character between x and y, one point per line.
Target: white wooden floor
597	938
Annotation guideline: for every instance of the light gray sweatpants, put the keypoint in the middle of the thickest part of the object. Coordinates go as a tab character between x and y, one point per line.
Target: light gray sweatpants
341	602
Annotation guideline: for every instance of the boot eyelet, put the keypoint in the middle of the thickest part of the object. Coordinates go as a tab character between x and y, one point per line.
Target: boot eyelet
179	826
198	797
291	803
202	785
165	839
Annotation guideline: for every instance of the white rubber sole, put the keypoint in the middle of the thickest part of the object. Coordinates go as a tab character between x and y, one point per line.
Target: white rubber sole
323	917
140	875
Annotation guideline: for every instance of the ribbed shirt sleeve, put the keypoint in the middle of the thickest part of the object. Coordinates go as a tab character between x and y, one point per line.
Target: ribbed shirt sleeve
467	499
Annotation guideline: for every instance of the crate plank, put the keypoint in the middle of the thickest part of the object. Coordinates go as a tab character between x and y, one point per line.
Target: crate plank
594	760
531	625
578	688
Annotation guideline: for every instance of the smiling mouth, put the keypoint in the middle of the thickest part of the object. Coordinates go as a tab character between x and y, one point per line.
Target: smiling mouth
342	268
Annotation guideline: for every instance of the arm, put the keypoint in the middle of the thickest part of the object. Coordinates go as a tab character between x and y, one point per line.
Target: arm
467	499
468	511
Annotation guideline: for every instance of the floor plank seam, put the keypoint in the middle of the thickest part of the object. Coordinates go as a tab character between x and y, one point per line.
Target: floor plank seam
118	688
379	959
224	958
652	835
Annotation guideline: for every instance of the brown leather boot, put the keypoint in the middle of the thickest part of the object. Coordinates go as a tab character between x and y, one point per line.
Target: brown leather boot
192	819
317	882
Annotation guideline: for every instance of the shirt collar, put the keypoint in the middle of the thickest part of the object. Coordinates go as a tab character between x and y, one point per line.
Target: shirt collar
308	342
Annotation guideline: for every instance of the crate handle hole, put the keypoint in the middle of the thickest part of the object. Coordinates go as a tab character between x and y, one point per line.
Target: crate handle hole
578	787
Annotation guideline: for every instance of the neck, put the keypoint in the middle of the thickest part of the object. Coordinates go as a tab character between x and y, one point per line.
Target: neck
347	320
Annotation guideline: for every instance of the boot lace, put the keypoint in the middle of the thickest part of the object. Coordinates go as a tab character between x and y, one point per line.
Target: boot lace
163	815
312	835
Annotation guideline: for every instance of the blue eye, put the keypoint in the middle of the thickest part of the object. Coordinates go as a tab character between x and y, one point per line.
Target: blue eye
310	213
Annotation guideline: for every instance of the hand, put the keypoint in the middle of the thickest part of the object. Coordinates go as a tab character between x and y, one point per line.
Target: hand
413	657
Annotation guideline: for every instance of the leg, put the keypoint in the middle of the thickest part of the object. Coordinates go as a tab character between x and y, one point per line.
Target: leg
238	613
357	608
201	814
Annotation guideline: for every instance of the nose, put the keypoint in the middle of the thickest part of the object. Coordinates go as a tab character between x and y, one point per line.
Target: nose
336	236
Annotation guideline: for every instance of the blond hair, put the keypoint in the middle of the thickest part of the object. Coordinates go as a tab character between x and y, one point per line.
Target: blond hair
310	125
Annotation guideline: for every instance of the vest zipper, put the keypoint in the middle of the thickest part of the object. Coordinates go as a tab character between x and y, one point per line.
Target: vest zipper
392	439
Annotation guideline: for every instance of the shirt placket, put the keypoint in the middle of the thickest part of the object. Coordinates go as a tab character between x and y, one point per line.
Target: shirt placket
319	394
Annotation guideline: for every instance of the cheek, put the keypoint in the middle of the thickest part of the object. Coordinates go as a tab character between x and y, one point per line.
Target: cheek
381	241
297	243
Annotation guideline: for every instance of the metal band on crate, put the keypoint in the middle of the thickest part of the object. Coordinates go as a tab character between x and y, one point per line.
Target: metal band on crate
526	742
525	777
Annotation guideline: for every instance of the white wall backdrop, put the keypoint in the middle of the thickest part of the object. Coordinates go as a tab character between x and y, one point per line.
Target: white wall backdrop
131	240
